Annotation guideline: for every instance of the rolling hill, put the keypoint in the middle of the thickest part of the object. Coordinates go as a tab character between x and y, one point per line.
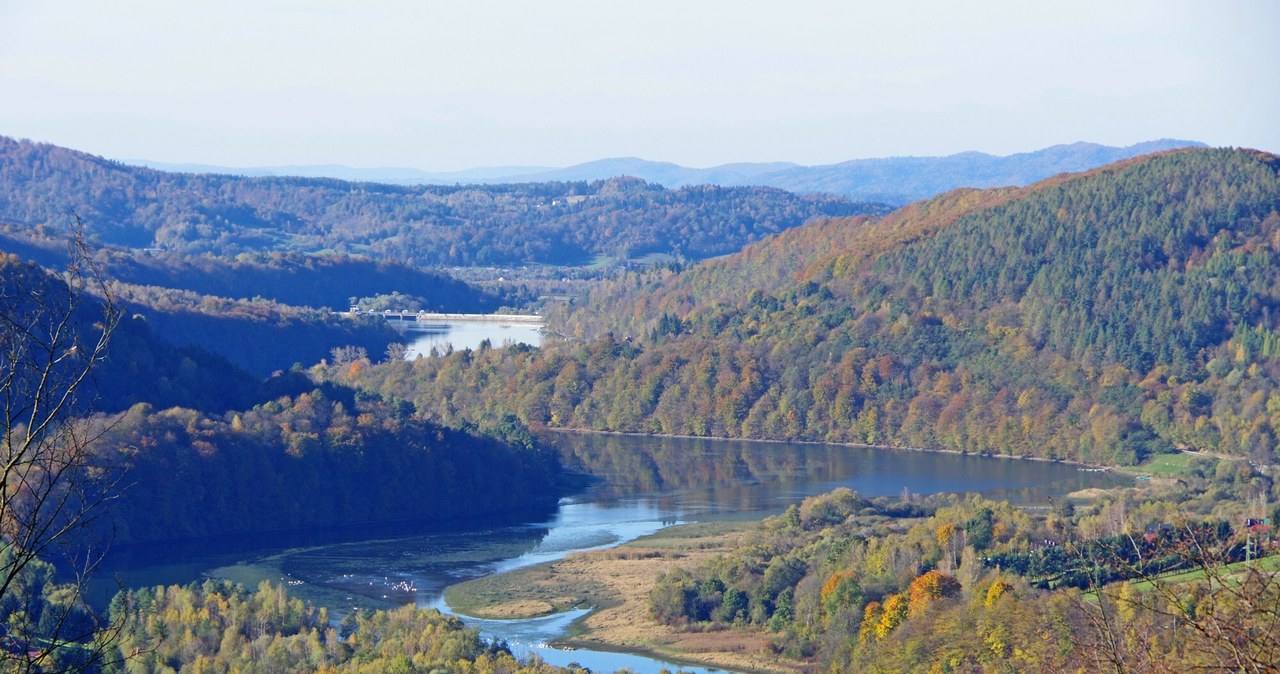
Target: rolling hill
570	223
1097	317
892	180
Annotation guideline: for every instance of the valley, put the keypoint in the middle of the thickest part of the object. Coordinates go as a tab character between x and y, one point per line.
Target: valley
1123	317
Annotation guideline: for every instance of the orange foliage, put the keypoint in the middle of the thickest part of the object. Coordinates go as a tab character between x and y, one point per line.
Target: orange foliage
930	587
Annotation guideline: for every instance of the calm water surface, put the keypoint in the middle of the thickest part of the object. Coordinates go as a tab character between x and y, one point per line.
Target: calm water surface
468	335
644	484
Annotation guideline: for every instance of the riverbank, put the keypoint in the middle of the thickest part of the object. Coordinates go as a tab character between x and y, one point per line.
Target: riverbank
616	583
1158	464
860	445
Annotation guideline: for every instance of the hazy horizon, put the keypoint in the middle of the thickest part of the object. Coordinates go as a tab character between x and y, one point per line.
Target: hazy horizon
503	170
448	87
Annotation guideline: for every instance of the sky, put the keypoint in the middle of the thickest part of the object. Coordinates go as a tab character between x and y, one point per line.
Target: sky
444	86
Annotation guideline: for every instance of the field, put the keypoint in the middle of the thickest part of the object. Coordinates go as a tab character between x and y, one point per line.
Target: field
1172	464
1231	573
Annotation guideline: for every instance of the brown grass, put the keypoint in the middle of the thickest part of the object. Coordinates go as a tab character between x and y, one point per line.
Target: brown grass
617	583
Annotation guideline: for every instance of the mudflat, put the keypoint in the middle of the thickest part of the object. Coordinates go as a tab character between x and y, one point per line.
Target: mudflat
616	583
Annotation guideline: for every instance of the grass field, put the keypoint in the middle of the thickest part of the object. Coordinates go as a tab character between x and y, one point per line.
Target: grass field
1171	465
600	262
1230	573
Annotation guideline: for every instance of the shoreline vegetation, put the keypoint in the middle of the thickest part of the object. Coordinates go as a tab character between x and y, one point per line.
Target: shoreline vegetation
1125	470
615	583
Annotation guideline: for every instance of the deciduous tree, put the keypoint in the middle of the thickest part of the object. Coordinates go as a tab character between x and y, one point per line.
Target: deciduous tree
54	333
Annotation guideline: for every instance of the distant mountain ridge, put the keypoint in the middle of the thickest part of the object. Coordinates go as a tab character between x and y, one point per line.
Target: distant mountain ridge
892	180
389	175
563	222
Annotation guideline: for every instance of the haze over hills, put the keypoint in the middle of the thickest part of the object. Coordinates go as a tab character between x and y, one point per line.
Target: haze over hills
391	175
892	180
562	222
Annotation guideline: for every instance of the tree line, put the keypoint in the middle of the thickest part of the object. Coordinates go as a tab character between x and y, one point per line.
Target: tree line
312	460
185	444
216	626
322	281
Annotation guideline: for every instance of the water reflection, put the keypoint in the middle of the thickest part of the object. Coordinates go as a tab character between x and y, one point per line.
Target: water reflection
589	526
461	335
709	477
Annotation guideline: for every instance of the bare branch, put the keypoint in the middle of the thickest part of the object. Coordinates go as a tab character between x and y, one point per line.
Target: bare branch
54	333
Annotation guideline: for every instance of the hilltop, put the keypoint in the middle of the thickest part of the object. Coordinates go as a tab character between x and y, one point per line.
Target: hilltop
561	223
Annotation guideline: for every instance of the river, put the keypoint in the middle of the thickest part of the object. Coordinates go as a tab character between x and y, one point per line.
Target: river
643	484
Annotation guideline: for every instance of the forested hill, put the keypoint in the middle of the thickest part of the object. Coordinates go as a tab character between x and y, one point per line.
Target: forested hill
767	267
206	448
256	311
1096	317
893	180
318	281
137	367
563	223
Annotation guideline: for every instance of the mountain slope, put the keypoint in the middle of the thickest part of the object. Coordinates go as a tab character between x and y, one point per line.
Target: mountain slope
666	174
201	448
768	266
393	175
138	367
1096	317
320	281
263	314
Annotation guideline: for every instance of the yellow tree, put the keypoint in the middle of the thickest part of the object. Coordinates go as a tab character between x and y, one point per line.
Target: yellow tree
892	613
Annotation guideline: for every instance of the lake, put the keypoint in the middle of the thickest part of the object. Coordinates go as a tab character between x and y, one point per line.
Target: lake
643	484
460	335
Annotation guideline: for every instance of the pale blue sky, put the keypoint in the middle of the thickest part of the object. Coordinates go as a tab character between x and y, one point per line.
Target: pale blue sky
451	85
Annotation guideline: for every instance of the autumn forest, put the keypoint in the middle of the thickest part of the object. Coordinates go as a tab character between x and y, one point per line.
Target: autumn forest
178	363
